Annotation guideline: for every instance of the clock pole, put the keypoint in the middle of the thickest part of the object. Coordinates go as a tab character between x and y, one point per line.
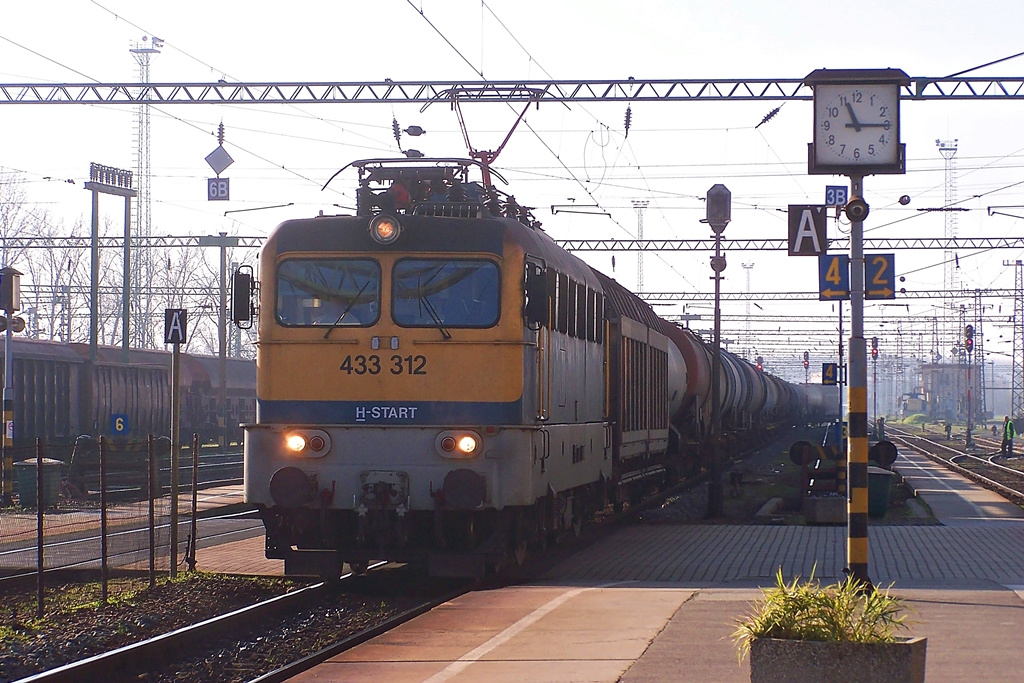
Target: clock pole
857	133
857	456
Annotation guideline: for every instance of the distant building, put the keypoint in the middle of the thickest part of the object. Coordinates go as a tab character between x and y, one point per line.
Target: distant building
944	390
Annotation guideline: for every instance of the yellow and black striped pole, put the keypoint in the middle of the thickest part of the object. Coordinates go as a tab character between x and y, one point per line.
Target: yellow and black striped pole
8	446
857	460
6	496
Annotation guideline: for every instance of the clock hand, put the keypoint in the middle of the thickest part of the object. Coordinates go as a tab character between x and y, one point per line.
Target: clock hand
855	124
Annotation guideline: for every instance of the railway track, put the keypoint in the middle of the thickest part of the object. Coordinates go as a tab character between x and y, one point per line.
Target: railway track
293	626
982	463
213	650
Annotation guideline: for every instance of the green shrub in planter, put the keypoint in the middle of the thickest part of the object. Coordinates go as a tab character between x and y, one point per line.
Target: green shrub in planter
843	612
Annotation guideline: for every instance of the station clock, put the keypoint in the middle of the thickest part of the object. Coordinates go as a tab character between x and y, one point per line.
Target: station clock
856	122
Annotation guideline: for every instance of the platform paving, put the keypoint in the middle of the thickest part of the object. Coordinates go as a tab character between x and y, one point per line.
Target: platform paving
659	603
954	500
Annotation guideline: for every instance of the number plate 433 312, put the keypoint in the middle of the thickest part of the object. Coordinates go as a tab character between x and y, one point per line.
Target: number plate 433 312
395	364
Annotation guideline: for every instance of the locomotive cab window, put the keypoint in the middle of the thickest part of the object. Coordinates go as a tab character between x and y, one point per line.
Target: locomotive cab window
328	292
445	293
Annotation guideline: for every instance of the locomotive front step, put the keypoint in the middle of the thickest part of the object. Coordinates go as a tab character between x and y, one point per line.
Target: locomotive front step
311	562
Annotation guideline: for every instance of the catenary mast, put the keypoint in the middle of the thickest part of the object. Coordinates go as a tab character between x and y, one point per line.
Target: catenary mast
142	272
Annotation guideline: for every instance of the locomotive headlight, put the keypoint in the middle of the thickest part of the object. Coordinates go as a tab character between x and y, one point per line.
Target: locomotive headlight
460	443
385	229
309	443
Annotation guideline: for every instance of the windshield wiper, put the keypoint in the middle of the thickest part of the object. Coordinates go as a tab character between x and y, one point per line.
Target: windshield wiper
438	323
351	304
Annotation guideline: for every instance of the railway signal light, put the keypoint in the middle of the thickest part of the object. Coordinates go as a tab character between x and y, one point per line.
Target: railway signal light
969	338
10	290
760	363
874	347
807	359
17	324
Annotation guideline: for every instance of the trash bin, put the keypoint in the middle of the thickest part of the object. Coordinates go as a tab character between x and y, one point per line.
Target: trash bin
25	475
880	482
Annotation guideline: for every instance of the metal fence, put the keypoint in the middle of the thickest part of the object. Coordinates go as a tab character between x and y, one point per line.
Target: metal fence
104	506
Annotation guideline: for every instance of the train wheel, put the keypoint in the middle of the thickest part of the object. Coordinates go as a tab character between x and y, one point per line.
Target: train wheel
579	511
520	552
520	537
358	567
542	522
577	525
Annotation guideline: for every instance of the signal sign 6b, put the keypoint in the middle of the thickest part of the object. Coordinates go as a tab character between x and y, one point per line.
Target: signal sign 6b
218	189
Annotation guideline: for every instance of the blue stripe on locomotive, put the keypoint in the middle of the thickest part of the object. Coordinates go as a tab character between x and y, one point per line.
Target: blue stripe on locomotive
390	412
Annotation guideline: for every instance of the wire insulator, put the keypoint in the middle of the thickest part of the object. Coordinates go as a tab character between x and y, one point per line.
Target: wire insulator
768	117
629	119
397	131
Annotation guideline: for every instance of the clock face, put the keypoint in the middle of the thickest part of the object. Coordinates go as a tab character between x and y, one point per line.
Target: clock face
856	125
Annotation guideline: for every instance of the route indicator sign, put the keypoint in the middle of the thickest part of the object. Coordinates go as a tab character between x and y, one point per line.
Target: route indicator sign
833	277
830	374
880	276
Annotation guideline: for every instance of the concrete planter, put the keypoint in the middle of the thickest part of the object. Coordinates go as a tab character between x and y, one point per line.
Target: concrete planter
806	661
825	510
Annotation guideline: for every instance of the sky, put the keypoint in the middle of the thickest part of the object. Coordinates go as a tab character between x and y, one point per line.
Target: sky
563	154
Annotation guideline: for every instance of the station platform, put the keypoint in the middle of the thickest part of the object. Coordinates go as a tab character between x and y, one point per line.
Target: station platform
659	602
953	500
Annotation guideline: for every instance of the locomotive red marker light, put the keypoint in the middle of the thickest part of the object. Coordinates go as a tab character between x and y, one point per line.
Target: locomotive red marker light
295	442
385	229
316	443
448	443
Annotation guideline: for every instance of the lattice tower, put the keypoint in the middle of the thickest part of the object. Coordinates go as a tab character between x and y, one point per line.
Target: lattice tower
750	340
979	353
901	388
961	381
951	279
640	205
142	259
1017	371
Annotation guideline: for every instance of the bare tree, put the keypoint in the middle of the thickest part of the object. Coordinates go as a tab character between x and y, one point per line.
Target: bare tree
15	217
57	285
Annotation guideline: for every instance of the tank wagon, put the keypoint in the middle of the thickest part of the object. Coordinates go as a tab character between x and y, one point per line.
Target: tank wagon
59	395
439	382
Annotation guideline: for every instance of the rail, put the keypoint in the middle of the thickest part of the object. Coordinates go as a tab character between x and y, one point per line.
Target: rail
1009	482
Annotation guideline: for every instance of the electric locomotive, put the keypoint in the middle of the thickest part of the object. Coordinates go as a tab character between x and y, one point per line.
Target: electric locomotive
439	383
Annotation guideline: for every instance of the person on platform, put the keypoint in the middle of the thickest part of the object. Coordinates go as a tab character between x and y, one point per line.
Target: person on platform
1008	434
